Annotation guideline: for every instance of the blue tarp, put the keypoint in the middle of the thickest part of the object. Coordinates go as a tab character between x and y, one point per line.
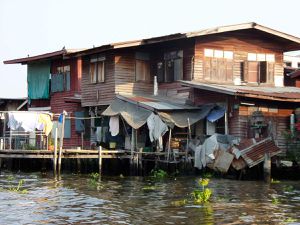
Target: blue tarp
216	114
38	80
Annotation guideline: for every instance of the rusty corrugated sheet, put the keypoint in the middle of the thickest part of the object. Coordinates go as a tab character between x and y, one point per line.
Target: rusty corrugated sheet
291	94
253	150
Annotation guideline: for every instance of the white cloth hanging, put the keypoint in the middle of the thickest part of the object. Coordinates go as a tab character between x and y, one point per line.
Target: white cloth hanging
157	128
114	125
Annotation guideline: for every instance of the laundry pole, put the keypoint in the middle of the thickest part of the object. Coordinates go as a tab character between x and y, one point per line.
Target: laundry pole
61	141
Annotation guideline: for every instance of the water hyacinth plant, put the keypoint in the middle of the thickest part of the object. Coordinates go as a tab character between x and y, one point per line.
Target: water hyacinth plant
158	174
202	195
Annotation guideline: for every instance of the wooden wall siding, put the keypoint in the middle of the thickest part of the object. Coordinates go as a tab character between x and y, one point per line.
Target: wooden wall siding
240	46
174	90
125	75
280	120
125	70
58	103
99	93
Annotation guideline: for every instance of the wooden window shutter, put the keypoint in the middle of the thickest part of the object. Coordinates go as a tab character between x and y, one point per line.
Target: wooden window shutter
252	71
263	72
270	72
67	81
178	69
220	70
60	82
229	70
244	71
100	71
53	83
67	130
160	72
214	69
142	70
79	123
93	71
207	69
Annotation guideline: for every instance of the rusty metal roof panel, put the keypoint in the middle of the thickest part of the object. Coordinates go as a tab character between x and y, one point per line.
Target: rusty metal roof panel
273	93
253	150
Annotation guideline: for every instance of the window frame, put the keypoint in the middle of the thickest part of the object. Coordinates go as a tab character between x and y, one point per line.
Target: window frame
65	71
143	59
95	62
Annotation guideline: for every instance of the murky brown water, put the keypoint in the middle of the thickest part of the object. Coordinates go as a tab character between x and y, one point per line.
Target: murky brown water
75	200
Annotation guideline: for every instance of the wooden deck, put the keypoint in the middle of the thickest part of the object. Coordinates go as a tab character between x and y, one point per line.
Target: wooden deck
66	153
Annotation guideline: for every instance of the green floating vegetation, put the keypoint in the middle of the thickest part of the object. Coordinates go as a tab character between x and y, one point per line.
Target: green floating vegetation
94	179
179	203
275	200
18	189
149	188
290	220
288	188
204	194
158	174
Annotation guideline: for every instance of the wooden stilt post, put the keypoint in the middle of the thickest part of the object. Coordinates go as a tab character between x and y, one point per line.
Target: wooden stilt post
169	145
61	142
100	160
132	150
55	153
140	161
267	167
187	142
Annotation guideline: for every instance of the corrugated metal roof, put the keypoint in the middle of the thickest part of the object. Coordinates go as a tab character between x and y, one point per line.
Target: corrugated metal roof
42	56
253	150
294	41
273	93
155	102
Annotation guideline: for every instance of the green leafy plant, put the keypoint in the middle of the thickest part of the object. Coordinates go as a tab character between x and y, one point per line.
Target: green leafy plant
158	174
202	195
19	188
94	181
275	200
288	188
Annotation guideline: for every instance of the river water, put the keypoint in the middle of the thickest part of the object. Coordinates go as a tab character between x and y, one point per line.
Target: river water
76	199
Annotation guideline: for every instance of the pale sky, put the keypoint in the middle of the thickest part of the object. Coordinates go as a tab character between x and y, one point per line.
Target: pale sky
39	26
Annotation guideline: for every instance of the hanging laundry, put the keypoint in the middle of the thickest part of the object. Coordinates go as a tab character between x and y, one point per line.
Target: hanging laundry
27	120
45	123
30	121
114	125
60	118
157	128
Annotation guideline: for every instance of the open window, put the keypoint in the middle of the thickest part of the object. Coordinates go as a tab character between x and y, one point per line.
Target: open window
97	70
142	66
61	81
171	68
257	72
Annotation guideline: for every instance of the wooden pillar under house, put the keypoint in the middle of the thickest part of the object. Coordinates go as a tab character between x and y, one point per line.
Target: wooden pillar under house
267	167
55	154
100	161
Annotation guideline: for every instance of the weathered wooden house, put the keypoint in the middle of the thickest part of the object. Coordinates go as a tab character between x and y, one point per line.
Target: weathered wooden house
54	85
239	67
